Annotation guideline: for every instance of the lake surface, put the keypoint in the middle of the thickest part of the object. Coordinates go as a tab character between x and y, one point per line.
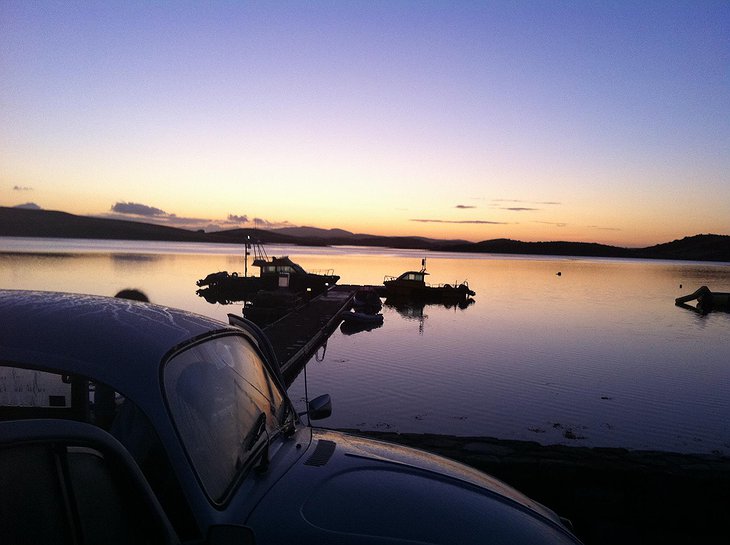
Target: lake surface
597	356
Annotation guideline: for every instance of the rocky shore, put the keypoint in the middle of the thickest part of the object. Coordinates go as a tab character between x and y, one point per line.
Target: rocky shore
611	495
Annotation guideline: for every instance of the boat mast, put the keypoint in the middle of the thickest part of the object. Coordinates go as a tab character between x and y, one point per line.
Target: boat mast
247	247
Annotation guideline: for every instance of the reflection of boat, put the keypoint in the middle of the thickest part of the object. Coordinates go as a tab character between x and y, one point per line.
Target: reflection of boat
707	301
414	309
268	306
412	285
275	273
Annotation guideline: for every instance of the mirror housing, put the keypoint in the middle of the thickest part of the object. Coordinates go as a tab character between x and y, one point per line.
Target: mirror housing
320	407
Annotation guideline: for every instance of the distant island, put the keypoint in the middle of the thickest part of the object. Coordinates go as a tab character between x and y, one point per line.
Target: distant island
21	222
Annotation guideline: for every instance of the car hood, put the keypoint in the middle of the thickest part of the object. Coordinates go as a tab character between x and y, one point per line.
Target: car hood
347	489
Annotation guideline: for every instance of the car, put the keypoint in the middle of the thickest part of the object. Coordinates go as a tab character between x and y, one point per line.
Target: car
185	418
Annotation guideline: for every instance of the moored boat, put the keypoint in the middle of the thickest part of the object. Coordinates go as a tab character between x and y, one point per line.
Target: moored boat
275	273
707	301
412	284
367	299
355	321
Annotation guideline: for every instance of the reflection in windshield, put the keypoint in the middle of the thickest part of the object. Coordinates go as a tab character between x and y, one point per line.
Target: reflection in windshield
223	403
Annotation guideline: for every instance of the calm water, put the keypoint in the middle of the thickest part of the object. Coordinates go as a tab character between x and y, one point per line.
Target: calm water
598	356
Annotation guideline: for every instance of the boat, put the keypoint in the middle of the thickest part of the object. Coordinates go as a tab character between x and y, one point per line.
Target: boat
354	321
354	317
367	299
275	273
707	301
412	285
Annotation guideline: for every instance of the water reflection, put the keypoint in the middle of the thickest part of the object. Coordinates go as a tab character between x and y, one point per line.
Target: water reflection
414	310
352	328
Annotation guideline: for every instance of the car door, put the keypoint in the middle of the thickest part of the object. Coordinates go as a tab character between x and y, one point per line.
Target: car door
68	482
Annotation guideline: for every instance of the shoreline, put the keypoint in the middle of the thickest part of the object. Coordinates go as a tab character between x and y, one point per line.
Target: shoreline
612	495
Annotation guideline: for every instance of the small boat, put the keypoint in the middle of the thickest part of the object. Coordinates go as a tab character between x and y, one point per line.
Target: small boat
367	299
707	301
356	322
355	317
412	285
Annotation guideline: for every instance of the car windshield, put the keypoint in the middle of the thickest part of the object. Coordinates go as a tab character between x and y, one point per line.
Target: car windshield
225	407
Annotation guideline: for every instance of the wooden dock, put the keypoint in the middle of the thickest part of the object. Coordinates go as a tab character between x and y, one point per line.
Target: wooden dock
296	336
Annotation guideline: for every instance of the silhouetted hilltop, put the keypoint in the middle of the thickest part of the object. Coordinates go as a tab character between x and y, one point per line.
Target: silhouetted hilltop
23	222
696	248
508	246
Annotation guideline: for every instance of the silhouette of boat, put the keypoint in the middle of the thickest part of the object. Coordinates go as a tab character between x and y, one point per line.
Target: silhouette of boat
412	285
354	321
707	301
275	273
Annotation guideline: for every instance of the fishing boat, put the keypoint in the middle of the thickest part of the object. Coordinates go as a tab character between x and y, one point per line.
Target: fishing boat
412	285
275	273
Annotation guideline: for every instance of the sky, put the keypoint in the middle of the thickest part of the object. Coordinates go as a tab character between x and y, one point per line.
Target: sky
533	120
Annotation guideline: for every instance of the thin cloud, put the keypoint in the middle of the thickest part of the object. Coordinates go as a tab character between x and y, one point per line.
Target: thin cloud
473	222
553	223
521	201
137	209
150	214
22	188
520	209
603	228
464	206
233	218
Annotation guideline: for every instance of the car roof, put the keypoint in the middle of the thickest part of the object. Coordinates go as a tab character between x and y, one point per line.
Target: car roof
115	341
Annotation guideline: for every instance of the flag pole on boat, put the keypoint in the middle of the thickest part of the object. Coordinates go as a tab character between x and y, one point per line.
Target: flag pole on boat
246	252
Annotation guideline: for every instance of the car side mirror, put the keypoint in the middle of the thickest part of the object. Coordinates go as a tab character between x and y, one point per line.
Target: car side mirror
320	407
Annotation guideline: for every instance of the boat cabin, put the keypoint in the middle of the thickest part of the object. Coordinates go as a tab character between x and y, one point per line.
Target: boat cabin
413	276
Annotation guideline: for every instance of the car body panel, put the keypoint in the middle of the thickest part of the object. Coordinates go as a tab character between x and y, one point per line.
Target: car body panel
352	489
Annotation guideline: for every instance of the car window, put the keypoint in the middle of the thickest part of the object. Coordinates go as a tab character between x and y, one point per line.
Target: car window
224	405
27	393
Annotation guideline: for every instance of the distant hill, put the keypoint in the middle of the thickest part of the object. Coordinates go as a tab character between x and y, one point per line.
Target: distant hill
508	246
696	248
24	222
314	232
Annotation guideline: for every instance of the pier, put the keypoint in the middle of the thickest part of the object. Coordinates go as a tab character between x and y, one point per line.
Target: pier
296	336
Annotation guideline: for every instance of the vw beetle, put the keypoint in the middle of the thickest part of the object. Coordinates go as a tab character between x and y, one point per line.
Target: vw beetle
184	420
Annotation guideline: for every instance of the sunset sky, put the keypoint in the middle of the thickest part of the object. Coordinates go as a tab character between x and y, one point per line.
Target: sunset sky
532	120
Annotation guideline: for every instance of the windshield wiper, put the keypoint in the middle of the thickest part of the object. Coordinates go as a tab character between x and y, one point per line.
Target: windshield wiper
251	438
287	421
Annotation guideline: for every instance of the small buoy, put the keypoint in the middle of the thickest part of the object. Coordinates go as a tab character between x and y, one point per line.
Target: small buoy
558	273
